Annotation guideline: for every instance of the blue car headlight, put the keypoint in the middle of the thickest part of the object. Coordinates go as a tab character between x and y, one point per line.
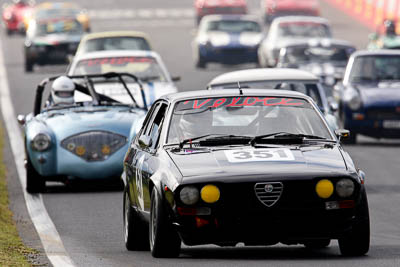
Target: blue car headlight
41	142
94	145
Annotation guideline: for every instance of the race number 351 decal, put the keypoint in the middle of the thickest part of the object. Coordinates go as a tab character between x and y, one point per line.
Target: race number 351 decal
270	154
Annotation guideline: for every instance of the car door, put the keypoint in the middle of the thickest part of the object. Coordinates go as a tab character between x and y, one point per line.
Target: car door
147	144
151	160
134	160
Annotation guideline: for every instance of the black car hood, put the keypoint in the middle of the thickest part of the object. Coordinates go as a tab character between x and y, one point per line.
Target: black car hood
379	95
315	160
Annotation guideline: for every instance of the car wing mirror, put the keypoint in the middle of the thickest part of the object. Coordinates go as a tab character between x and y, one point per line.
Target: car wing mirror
21	119
333	105
145	141
176	78
342	133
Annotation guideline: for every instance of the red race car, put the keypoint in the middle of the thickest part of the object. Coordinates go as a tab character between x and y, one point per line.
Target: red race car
278	8
208	7
14	15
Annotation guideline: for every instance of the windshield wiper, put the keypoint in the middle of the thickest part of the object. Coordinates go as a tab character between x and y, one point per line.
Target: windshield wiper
215	138
286	135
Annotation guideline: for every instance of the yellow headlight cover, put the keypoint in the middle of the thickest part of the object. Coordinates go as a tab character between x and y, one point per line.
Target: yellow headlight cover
324	188
106	150
210	193
80	150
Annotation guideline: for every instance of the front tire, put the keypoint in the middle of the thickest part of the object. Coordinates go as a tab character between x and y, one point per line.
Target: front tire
136	232
35	183
164	240
352	139
356	242
28	66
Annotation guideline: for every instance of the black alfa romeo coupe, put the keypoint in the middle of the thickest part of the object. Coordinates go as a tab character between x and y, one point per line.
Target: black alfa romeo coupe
241	165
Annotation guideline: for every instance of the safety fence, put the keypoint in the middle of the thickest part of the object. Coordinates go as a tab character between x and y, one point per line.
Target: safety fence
372	13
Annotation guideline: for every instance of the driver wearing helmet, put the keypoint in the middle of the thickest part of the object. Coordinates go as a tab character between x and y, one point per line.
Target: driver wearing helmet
62	91
390	27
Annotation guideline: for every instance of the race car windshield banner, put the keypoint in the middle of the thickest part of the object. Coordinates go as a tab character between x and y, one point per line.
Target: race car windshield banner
241	101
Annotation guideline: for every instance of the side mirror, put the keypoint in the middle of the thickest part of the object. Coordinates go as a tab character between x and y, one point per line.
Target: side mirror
333	105
361	174
338	86
176	78
145	141
21	119
342	133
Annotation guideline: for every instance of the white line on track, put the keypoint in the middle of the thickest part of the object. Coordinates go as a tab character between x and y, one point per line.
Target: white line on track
45	227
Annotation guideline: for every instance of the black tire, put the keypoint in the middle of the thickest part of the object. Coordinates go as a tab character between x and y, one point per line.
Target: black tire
28	66
9	32
317	244
352	138
200	63
136	232
35	183
356	242
164	240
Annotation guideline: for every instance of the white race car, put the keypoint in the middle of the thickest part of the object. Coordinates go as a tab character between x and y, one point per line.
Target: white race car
147	65
281	78
284	29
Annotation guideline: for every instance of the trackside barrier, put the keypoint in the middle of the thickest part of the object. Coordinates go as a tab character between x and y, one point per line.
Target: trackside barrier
371	13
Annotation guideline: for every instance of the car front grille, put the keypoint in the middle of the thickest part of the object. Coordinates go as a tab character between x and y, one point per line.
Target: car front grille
383	114
94	145
268	193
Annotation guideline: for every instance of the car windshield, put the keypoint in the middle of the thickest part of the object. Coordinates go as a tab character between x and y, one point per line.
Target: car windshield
303	29
146	68
59	26
247	116
306	54
375	68
56	12
307	88
116	43
233	26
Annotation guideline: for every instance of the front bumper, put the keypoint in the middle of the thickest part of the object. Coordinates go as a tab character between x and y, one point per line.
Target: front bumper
50	54
267	228
377	122
229	54
62	164
298	215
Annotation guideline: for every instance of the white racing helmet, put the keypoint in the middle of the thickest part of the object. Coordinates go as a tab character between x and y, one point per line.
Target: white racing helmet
62	91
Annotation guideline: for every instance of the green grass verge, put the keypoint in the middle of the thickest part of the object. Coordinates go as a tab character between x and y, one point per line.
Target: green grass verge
12	251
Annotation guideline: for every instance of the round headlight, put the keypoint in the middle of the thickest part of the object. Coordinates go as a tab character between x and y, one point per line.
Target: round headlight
210	193
41	142
189	195
324	188
344	188
355	102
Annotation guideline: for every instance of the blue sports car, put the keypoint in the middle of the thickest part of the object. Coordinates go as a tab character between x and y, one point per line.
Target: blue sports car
369	97
84	139
227	39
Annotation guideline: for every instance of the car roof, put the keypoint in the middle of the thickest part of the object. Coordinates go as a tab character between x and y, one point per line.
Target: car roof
117	53
286	19
379	52
105	34
266	74
232	92
214	17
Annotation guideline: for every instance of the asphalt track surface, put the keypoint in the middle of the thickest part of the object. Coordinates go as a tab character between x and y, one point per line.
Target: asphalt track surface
90	221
